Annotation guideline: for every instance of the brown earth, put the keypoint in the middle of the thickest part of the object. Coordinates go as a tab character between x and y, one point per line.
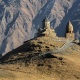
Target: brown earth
24	63
56	67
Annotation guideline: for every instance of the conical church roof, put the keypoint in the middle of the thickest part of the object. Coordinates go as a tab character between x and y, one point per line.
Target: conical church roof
70	26
46	19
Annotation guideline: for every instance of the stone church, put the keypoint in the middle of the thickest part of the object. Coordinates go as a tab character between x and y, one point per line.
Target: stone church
48	32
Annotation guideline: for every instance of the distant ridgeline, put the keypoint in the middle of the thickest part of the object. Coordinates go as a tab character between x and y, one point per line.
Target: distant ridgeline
48	32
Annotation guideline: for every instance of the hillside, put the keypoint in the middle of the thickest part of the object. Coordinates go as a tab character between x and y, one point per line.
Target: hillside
58	67
40	59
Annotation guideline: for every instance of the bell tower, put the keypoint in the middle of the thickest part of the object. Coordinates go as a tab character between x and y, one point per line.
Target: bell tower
70	33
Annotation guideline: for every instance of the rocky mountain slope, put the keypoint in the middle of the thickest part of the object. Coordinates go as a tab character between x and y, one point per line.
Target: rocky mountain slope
19	19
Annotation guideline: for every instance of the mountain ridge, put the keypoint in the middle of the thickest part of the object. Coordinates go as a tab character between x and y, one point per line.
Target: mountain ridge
19	20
